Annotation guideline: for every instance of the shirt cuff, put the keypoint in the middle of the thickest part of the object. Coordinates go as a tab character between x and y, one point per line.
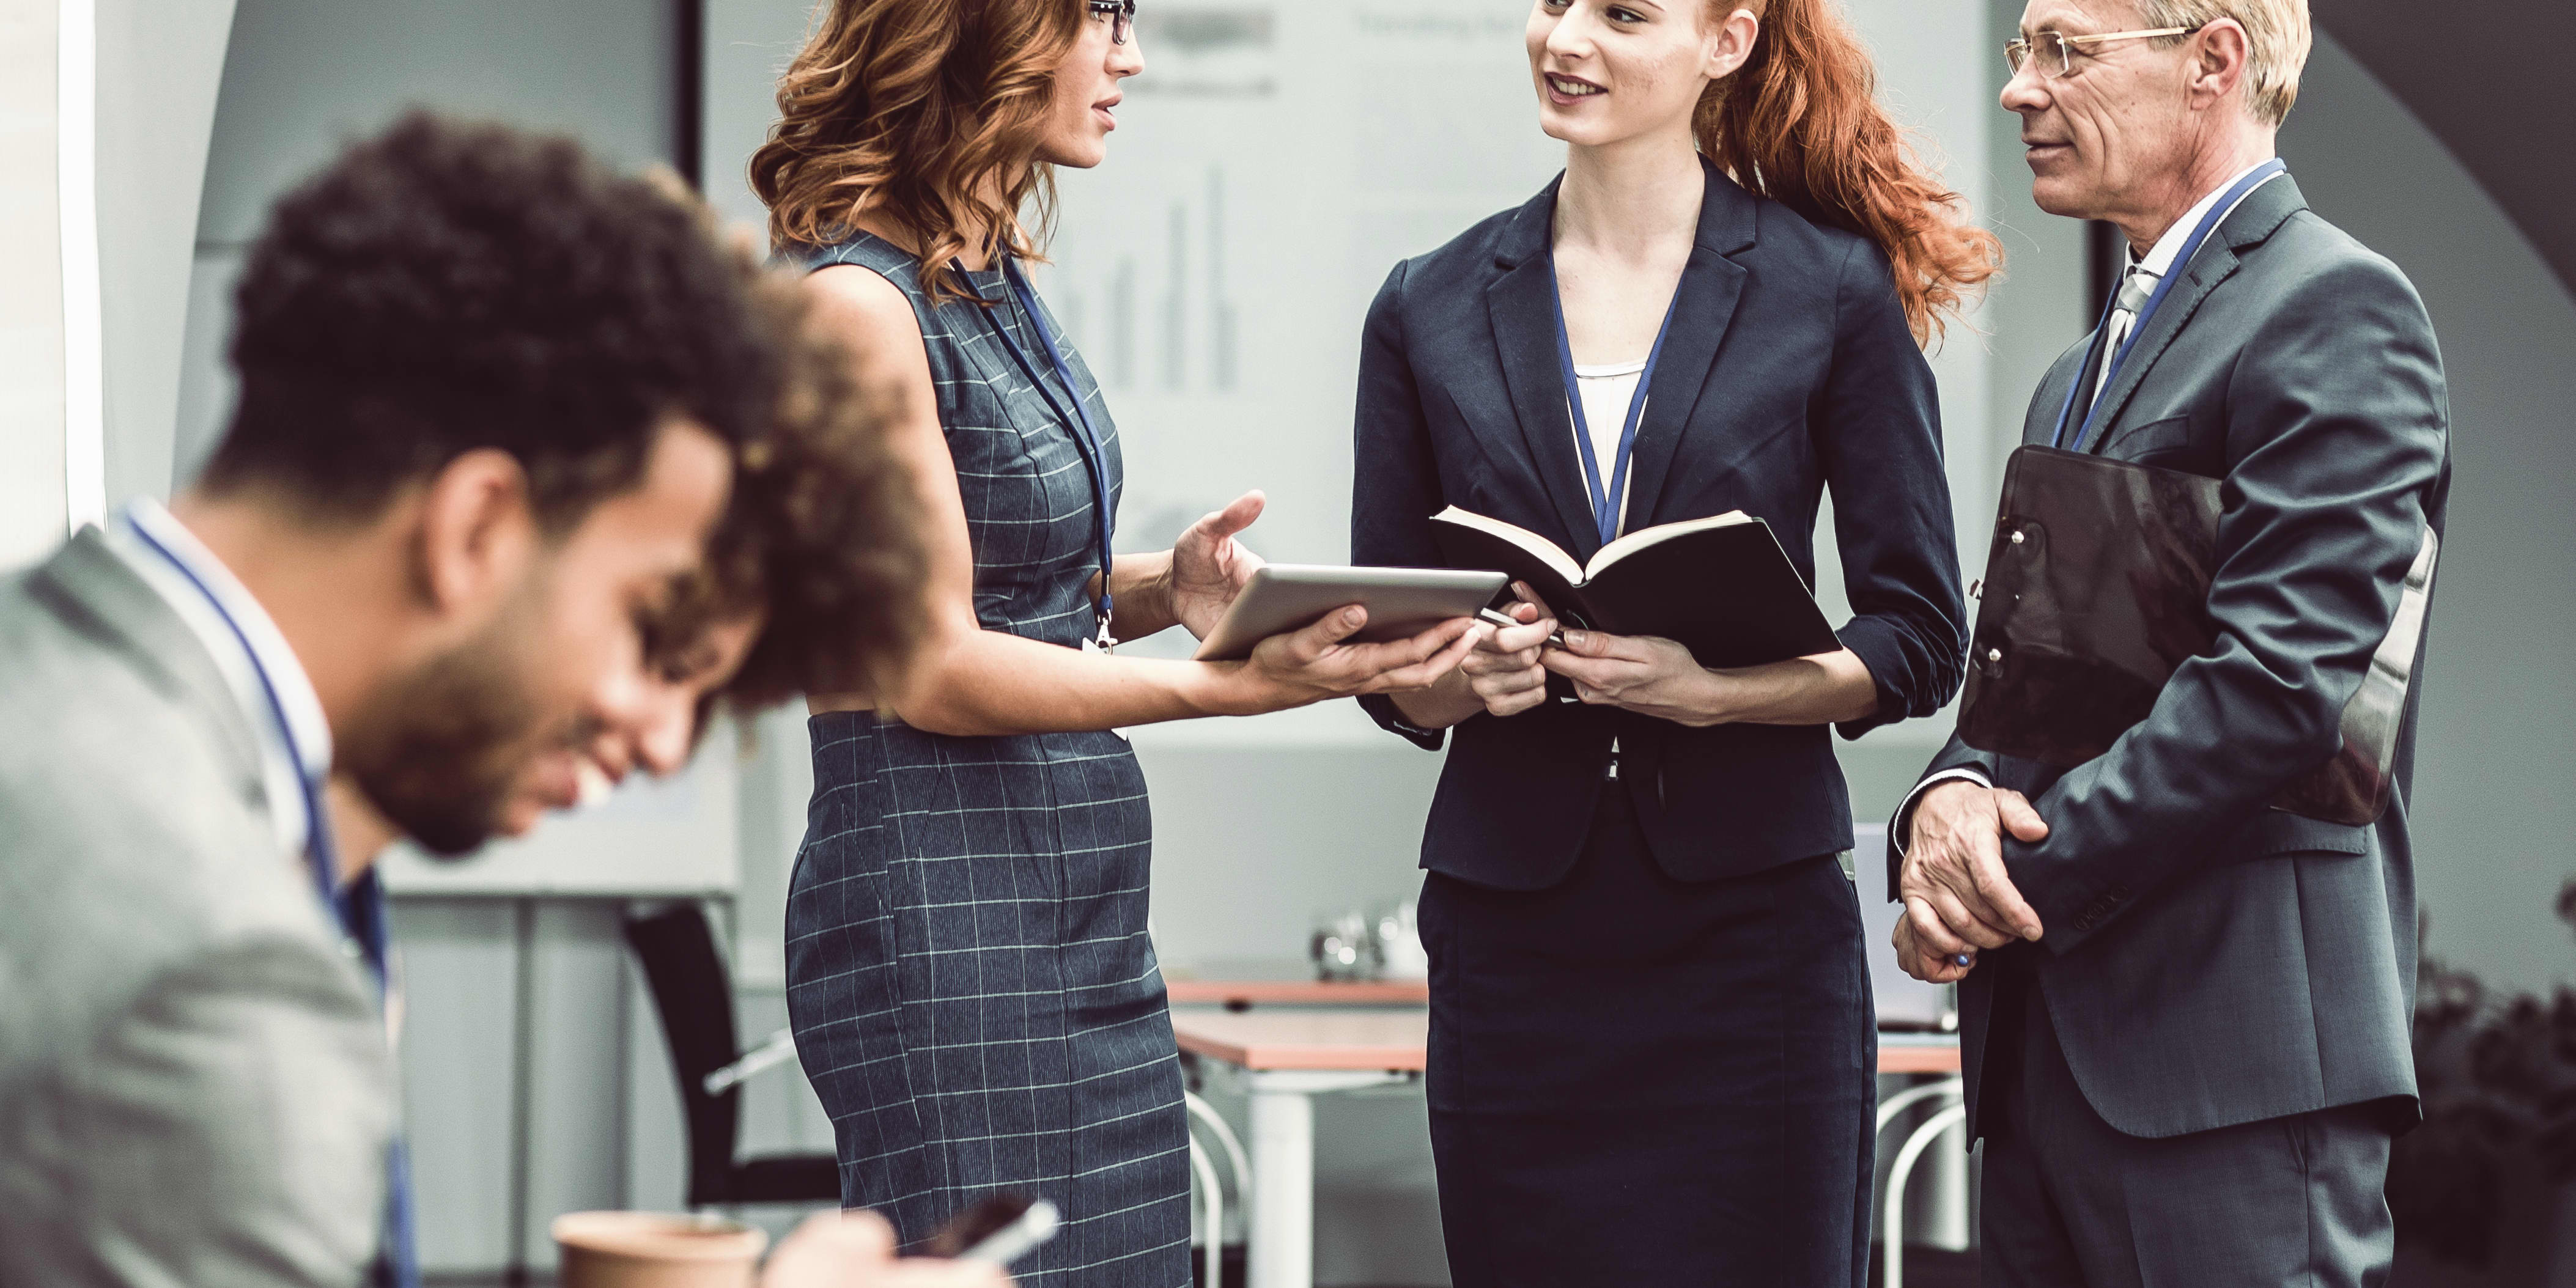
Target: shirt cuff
1389	717
1903	822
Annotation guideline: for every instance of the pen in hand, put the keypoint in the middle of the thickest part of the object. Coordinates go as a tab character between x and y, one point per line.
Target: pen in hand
1555	638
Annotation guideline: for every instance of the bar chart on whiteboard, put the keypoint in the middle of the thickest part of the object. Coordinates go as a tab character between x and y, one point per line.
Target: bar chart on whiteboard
1270	166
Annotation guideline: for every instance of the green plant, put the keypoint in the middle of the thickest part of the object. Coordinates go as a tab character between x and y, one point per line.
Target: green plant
2497	1077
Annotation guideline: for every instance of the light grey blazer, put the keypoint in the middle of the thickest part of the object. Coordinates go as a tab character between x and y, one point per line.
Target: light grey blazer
195	1085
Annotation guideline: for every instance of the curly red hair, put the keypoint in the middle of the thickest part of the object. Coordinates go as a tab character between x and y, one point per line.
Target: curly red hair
926	112
1800	123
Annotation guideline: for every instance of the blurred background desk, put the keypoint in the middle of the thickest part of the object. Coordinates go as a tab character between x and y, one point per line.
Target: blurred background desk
1282	1056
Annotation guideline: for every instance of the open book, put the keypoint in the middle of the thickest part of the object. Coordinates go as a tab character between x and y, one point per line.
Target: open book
1720	586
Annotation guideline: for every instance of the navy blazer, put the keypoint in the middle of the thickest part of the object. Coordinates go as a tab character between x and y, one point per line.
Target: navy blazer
1788	368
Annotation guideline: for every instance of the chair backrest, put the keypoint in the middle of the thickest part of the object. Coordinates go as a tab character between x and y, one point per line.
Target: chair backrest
694	995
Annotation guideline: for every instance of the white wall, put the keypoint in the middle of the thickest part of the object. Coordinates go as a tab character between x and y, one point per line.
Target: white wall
159	65
2497	748
31	285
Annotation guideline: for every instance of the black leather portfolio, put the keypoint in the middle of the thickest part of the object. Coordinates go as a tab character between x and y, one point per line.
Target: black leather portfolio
2097	589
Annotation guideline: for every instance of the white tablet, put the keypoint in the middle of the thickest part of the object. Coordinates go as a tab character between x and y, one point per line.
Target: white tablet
1400	602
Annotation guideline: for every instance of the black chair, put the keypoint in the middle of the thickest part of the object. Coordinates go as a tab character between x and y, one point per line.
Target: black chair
694	994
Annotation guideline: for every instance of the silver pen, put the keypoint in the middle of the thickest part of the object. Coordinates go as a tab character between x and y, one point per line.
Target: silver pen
1490	616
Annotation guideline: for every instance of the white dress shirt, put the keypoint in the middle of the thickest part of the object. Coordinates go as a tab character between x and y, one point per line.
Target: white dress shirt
281	773
2147	272
2159	261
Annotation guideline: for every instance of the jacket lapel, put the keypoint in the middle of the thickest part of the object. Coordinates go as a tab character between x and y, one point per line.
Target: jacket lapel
2263	210
1710	286
1522	305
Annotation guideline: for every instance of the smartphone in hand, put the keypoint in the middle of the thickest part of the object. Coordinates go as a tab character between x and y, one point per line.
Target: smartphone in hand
1001	1229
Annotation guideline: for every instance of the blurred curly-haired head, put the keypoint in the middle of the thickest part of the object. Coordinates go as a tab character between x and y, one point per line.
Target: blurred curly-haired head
820	535
930	111
445	287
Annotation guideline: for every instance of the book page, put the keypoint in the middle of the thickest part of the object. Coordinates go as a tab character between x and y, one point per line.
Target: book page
1539	548
1656	535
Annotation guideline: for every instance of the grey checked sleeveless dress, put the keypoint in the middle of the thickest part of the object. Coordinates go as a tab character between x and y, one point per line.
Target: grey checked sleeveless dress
968	975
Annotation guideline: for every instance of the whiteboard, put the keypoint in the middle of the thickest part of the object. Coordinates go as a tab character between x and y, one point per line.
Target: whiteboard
667	839
1270	166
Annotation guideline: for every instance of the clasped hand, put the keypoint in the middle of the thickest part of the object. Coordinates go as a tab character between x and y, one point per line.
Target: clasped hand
1958	898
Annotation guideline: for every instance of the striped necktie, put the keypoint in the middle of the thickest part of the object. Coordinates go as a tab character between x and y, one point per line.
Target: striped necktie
2137	286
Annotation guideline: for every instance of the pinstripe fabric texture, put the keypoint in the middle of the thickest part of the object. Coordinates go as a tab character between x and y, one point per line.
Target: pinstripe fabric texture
968	974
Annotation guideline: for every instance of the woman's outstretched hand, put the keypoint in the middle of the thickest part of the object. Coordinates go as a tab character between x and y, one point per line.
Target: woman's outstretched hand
1504	671
1209	567
1294	668
1646	674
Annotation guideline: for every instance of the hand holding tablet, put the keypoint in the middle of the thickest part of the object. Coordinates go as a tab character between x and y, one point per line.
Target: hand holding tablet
1401	602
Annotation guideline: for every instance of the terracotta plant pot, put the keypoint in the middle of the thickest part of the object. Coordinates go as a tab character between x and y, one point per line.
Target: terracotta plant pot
656	1250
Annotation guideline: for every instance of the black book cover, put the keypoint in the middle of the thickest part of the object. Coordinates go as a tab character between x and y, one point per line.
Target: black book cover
1721	587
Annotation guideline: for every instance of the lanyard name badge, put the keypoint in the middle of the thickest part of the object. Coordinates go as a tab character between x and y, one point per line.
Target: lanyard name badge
360	921
1608	495
2218	211
1086	437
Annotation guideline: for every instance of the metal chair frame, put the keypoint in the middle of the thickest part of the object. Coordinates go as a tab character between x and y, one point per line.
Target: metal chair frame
1892	1221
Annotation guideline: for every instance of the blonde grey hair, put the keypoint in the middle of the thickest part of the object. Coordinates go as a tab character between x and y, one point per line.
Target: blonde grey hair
2276	39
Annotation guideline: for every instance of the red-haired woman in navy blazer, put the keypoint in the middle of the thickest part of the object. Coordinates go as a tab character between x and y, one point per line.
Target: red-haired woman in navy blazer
1652	1047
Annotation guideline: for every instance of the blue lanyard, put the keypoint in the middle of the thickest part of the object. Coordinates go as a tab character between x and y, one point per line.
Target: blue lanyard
361	913
1086	437
2219	210
1606	496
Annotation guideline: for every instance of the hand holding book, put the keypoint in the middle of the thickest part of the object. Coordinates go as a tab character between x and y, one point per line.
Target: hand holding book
1647	674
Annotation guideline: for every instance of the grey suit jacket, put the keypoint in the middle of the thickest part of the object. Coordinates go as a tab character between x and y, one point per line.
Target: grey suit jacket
195	1086
2207	960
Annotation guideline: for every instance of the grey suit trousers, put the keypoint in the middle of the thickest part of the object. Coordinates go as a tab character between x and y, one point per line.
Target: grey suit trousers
2069	1200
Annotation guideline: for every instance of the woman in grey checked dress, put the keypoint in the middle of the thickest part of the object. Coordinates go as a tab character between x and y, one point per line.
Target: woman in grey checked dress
969	978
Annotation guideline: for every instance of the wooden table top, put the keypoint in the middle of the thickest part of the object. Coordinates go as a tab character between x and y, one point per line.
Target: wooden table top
1393	1038
1302	992
1306	1037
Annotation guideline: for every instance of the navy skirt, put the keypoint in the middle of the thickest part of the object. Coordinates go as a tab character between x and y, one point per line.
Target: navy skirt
1639	1080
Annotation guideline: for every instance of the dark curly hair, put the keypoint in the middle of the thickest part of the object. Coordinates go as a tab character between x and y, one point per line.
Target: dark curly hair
444	287
821	534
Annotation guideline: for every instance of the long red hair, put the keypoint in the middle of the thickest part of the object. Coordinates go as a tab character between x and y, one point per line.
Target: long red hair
1800	123
927	112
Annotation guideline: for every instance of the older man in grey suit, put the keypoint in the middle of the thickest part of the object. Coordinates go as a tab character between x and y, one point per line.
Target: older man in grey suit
495	515
2186	1013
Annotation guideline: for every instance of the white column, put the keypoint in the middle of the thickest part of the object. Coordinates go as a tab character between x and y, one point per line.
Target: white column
84	330
31	303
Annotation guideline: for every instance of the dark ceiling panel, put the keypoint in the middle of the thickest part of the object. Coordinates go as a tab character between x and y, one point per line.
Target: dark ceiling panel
2487	80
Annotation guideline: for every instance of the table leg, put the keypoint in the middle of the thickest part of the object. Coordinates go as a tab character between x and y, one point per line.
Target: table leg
1947	1223
1282	1247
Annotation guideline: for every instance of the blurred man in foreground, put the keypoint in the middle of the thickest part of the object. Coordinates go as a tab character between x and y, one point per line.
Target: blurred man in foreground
526	472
